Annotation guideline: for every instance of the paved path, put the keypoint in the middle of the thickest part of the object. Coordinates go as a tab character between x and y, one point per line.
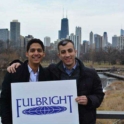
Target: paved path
102	69
114	75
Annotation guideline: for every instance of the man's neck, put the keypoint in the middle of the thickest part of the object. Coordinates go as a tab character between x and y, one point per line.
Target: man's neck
69	67
34	67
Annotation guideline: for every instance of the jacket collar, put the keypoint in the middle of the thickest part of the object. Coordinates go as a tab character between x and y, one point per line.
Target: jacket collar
59	68
25	72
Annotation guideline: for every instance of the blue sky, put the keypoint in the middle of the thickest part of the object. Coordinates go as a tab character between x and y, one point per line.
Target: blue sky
42	18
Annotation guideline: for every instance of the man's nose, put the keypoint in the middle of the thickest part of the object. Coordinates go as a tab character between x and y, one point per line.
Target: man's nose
67	54
36	52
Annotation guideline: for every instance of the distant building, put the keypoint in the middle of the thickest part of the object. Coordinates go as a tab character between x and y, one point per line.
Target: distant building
118	42
104	40
4	35
26	39
15	33
56	44
64	28
85	46
115	41
47	41
75	39
91	40
59	34
78	33
22	41
121	42
98	42
122	32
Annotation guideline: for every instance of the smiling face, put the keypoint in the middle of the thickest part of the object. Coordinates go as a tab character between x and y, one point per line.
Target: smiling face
67	54
35	54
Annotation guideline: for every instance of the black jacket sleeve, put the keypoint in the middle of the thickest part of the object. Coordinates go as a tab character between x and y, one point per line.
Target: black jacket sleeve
6	112
97	95
15	61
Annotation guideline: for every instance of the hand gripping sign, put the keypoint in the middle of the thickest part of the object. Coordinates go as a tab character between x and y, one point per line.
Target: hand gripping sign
49	102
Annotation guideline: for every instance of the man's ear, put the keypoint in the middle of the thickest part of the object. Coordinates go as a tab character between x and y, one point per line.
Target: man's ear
26	54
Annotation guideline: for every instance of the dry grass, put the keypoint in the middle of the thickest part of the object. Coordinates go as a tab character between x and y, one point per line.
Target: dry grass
113	100
102	65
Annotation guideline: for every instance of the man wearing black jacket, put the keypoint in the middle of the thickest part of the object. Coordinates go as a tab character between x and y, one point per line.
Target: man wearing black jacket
29	71
89	87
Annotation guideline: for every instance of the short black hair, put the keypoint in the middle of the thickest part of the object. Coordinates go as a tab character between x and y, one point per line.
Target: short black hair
64	42
34	41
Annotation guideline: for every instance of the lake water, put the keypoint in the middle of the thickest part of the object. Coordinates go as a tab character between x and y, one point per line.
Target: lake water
106	81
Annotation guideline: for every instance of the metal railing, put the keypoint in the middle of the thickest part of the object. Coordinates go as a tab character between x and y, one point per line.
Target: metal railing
110	114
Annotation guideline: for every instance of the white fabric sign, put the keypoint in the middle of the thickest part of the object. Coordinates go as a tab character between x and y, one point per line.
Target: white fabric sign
48	102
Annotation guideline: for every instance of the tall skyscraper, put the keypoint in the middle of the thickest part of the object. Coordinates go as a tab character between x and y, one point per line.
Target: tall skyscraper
85	46
98	42
104	40
15	33
4	35
118	42
122	32
121	42
22	41
115	41
75	39
78	33
47	41
26	39
91	40
64	28
59	34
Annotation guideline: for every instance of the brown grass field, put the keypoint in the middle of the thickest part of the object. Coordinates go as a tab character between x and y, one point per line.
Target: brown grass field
113	101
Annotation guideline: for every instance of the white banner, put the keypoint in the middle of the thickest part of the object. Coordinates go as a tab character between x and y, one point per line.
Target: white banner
48	102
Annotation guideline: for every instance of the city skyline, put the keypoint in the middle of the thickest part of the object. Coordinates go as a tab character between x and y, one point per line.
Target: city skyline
43	18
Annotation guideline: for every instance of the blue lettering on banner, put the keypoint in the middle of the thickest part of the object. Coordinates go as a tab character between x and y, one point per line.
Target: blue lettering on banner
44	105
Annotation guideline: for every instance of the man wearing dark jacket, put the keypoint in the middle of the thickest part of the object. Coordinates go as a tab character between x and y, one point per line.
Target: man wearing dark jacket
29	71
89	88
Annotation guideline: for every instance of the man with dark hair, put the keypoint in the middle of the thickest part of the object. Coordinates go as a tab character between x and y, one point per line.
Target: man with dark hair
29	71
89	87
35	41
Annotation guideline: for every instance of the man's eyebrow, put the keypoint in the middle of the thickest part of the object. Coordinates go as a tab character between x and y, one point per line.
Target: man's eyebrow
35	48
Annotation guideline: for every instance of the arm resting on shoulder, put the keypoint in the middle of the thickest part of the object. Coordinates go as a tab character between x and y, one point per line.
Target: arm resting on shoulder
13	65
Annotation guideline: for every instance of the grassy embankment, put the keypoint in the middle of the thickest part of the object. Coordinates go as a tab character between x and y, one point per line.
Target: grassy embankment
113	101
